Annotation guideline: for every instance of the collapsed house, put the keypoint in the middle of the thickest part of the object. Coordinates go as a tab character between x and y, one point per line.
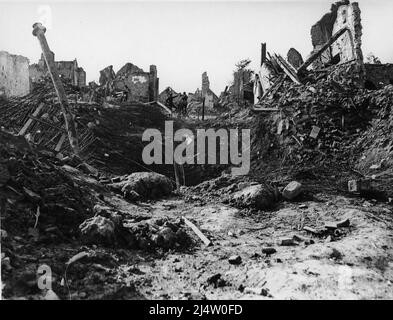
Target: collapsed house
14	75
68	70
131	81
336	40
206	93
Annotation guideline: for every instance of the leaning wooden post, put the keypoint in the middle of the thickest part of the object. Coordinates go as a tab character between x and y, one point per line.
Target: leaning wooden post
39	31
203	109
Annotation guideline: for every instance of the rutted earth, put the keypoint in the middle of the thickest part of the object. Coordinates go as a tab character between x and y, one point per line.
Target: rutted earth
355	262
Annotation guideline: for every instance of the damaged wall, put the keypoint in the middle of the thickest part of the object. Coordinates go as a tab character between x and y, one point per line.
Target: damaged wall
141	86
348	46
207	93
14	75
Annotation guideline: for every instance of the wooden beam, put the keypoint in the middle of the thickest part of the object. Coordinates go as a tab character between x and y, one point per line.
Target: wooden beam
22	132
194	228
60	143
316	54
287	68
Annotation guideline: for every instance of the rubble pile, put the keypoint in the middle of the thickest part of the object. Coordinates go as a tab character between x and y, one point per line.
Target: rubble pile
39	191
111	227
109	134
165	233
312	124
375	144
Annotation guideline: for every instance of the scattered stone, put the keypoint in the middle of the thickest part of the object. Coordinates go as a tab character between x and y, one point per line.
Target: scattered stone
287	242
335	254
3	234
6	263
306	241
257	291
166	238
269	250
330	225
292	190
235	260
51	295
255	196
356	186
216	280
343	223
98	230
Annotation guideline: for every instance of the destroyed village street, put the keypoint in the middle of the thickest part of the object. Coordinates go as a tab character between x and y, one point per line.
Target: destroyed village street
278	187
263	256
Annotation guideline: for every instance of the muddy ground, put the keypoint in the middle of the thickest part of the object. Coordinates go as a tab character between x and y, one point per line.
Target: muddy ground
353	262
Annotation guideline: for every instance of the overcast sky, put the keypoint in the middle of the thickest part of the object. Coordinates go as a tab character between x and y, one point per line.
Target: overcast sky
183	38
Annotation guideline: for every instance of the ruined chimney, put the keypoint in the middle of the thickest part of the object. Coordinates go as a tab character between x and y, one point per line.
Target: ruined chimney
263	53
205	84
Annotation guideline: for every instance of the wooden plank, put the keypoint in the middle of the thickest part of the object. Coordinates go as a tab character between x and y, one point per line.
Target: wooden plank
287	69
194	228
164	107
60	143
22	132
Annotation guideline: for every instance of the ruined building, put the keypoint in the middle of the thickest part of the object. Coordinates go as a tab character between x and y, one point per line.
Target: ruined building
347	48
140	86
68	70
337	41
206	93
14	75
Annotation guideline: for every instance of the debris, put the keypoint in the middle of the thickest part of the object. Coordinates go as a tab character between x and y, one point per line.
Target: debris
317	53
3	234
356	186
146	185
343	223
32	195
235	259
255	196
216	280
6	262
314	132
269	250
194	228
292	190
98	230
4	175
331	225
256	291
287	242
156	233
77	257
51	295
